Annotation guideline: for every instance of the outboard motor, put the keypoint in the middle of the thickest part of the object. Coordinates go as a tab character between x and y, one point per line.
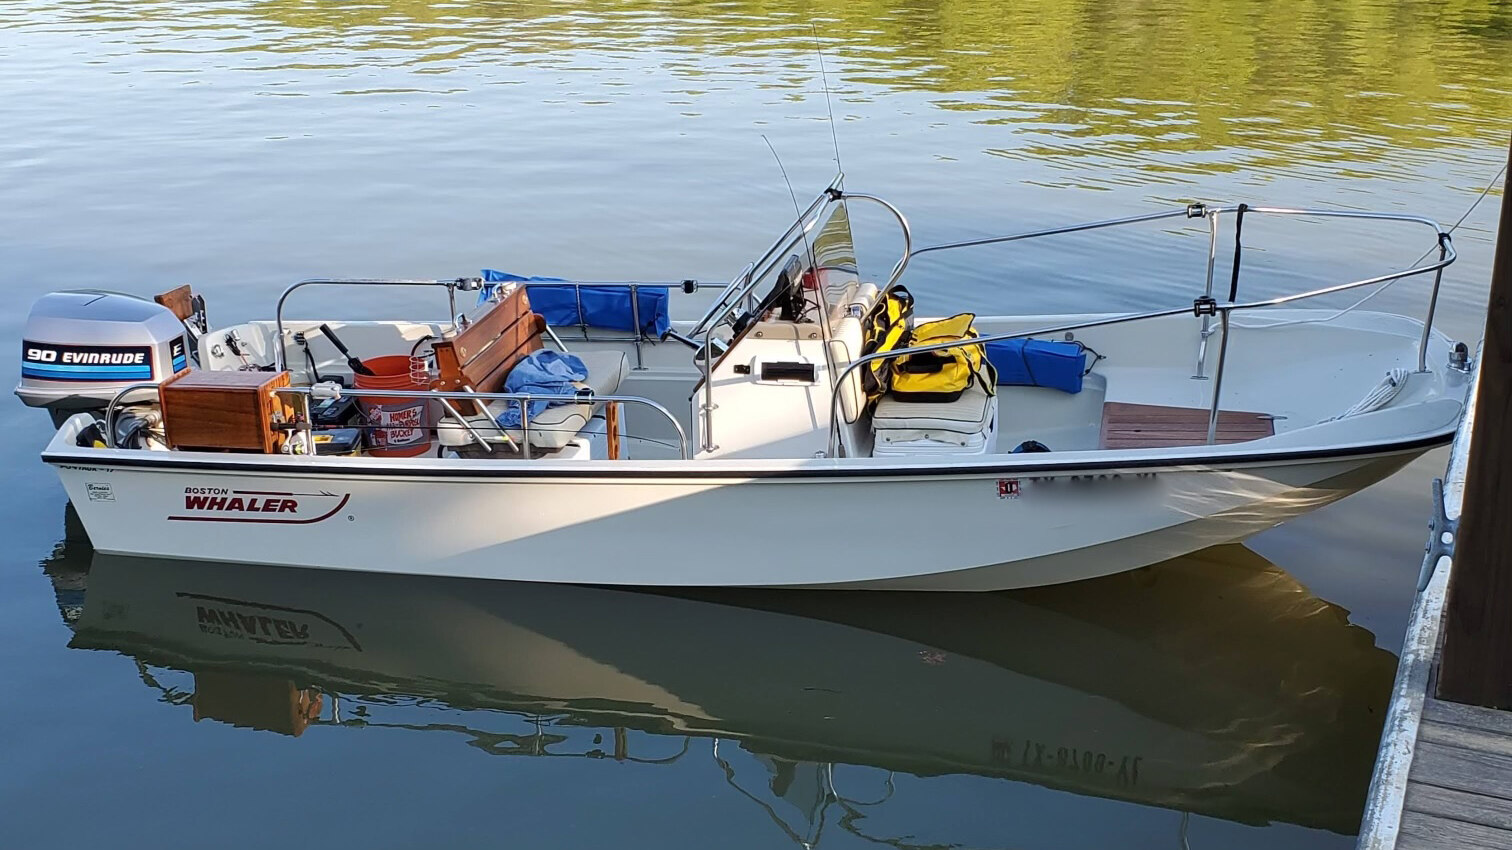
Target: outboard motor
80	348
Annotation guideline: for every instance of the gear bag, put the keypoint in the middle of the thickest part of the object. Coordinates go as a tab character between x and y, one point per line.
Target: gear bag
943	375
883	329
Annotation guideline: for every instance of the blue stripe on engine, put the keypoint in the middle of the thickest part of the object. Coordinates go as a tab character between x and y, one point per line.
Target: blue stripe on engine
86	367
86	373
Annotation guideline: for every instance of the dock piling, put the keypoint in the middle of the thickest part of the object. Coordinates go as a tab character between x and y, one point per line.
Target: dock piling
1476	665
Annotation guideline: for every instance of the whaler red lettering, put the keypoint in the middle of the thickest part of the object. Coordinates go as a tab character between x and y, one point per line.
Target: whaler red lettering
238	505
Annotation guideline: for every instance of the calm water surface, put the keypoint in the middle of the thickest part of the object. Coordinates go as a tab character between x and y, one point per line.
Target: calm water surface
1231	699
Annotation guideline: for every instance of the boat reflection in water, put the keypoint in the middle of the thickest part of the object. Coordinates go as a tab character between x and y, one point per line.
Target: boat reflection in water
1214	685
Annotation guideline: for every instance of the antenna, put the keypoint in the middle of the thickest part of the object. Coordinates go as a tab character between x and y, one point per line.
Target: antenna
821	304
829	107
798	211
791	194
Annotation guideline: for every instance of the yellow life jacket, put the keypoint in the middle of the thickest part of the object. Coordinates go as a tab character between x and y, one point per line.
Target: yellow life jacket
943	375
884	329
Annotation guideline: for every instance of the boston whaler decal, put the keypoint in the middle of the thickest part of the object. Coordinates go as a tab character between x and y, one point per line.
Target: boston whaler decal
220	504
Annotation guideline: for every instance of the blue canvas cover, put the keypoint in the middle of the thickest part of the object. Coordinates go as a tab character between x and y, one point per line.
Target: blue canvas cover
603	306
1037	363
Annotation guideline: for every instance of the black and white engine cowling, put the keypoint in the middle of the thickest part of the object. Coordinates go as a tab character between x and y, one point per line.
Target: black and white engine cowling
80	349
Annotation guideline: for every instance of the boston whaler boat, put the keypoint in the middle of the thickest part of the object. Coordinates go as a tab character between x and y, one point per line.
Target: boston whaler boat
805	431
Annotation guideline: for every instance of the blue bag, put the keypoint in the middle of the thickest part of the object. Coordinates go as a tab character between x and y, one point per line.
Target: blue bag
1036	363
545	371
600	306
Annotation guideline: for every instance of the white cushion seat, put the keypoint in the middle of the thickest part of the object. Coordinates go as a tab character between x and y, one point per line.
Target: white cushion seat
554	427
967	416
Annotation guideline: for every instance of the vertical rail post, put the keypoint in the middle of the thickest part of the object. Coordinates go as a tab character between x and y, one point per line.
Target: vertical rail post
1476	666
1212	249
1207	292
1438	278
640	360
577	294
708	405
525	427
1223	321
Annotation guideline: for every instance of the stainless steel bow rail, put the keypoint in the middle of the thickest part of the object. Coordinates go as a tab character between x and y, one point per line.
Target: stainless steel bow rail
1205	307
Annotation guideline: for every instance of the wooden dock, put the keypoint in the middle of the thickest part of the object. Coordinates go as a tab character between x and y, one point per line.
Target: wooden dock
1426	791
1444	774
1443	778
1459	790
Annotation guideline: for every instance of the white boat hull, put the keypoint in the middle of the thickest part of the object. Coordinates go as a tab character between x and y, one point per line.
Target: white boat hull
818	524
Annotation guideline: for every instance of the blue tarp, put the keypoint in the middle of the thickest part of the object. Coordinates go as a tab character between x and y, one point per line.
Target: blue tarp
1036	363
602	306
545	371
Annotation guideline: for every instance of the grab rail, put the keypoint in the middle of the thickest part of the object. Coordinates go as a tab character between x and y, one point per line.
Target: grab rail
526	398
115	401
908	251
444	397
1204	307
466	284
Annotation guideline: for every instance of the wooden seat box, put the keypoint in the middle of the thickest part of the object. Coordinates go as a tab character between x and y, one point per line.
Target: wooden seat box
224	410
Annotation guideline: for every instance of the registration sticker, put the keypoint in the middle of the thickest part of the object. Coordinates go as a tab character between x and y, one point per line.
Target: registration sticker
1008	488
99	492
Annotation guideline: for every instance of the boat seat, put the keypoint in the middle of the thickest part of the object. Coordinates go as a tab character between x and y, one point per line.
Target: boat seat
481	357
961	422
554	427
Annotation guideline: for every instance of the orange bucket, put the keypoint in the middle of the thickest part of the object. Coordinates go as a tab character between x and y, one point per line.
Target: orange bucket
397	427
